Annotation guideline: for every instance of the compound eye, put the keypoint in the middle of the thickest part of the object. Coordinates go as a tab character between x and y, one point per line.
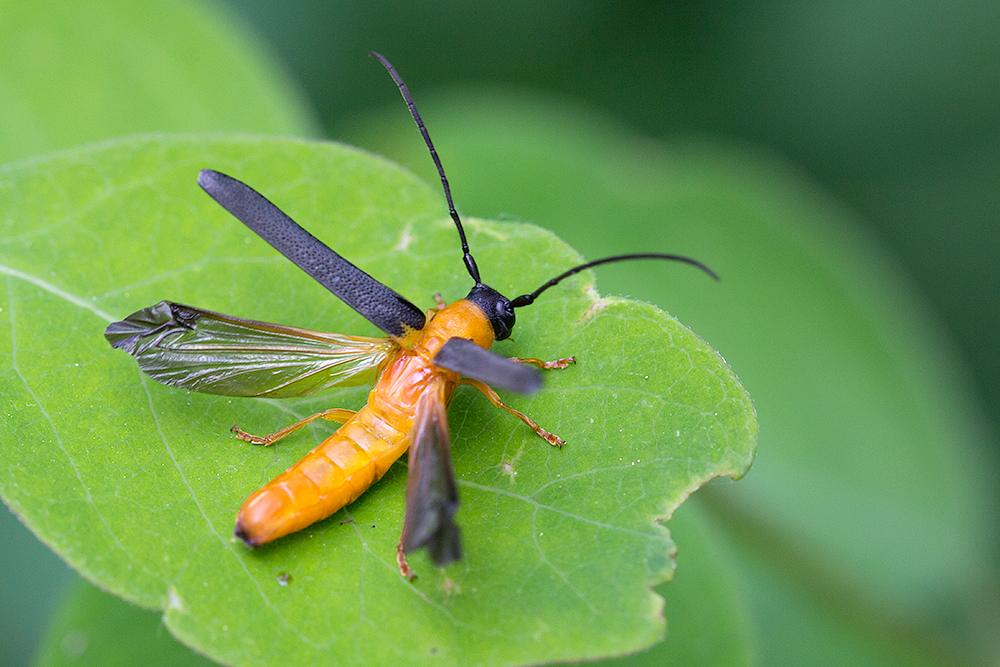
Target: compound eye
505	310
505	315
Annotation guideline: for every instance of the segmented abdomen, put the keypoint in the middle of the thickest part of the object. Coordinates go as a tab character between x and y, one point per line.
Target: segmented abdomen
344	465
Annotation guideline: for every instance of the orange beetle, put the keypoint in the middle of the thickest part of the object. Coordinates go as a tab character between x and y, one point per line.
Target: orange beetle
416	371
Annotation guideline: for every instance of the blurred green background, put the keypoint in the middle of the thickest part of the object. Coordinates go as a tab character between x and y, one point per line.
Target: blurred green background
881	116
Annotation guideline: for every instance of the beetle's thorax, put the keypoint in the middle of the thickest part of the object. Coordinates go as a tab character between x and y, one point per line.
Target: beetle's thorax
462	319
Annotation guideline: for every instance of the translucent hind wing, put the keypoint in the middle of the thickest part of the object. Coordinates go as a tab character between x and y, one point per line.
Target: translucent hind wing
213	353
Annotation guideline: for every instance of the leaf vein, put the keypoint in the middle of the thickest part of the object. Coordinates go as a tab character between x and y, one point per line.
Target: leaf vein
61	293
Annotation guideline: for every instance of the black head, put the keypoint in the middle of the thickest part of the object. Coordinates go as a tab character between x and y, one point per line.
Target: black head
497	307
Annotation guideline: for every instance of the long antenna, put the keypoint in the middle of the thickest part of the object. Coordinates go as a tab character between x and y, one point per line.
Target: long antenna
528	299
470	263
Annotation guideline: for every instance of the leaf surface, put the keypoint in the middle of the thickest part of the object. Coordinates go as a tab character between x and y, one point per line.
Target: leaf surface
136	484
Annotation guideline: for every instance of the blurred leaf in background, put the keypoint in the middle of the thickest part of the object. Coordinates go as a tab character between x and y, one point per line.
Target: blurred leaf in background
74	73
92	627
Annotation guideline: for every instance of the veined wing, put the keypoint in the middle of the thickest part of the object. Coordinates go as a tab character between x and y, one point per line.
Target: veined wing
431	489
213	353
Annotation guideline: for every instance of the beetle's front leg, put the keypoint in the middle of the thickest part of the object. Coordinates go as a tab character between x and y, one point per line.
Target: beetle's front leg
494	398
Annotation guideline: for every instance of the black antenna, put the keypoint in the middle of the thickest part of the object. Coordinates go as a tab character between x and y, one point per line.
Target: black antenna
528	299
470	263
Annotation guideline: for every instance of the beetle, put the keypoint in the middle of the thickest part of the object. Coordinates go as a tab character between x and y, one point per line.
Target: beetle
415	369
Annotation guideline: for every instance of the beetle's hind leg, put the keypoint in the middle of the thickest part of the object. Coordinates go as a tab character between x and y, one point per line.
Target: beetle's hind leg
404	567
550	438
339	415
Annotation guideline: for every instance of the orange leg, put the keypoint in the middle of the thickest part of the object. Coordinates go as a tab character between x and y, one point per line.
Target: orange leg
546	365
404	567
339	415
550	438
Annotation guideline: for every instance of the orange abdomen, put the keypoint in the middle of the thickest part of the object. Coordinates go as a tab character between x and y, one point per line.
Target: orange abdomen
344	465
329	477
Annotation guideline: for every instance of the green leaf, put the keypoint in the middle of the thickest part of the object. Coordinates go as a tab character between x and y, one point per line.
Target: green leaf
74	73
871	499
136	485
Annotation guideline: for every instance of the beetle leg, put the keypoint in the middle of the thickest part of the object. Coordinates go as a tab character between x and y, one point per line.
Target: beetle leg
546	365
404	567
550	438
339	415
